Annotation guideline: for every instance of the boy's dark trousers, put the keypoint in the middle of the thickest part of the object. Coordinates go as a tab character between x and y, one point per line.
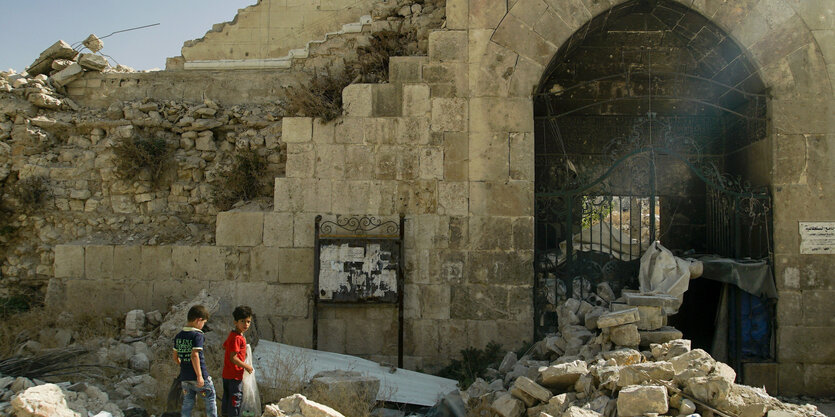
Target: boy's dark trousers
230	405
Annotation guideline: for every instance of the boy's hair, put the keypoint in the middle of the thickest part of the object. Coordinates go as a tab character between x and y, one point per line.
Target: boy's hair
197	312
241	312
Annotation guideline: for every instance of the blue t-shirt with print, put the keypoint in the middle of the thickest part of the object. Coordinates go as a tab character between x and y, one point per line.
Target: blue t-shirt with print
185	342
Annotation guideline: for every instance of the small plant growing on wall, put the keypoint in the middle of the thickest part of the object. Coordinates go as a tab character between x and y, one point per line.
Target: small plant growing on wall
137	155
322	98
243	180
31	193
373	60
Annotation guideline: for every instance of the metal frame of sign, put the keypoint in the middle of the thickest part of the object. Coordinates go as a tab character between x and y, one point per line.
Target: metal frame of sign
354	230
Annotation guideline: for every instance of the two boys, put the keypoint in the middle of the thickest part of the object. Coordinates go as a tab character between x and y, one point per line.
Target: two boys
194	377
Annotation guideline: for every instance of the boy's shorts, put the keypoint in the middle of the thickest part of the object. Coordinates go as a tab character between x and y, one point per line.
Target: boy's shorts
230	405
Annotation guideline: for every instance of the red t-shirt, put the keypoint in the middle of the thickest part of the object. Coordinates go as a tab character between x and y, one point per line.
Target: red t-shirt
236	342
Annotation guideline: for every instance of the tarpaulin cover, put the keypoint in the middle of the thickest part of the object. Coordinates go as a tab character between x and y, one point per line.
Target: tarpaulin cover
752	276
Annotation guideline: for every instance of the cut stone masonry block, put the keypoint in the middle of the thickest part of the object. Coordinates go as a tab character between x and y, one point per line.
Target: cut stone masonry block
617	318
448	46
406	69
357	100
239	228
296	129
278	229
69	261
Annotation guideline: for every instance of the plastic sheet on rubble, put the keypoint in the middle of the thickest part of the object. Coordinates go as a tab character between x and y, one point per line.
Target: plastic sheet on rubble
663	273
396	385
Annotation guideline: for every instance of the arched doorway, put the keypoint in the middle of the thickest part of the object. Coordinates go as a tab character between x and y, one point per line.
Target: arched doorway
650	124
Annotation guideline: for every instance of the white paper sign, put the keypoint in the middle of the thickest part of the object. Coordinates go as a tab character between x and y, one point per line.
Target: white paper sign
817	238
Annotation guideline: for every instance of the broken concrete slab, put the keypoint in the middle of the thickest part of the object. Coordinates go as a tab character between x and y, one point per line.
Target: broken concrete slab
93	43
67	75
58	50
399	385
618	318
44	101
92	62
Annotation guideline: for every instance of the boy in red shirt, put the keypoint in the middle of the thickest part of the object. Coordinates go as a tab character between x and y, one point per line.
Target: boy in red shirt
233	363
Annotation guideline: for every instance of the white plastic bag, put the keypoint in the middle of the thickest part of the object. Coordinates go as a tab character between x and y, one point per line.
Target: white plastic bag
251	402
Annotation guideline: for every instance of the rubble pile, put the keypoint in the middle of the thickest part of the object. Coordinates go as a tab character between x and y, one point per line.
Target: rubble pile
146	340
298	405
593	367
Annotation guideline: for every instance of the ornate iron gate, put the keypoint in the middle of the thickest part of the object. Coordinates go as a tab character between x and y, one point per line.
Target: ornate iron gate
593	227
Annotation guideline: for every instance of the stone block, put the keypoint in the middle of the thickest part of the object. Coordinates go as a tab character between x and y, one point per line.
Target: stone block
416	100
156	263
529	11
521	156
372	336
212	263
710	389
562	376
67	75
297	129
529	391
651	318
490	233
488	157
301	160
295	265
662	335
304	225
448	46
639	400
297	332
639	373
431	163
387	100
513	198
69	261
434	302
486	14
359	162
525	78
456	156
323	132
350	197
346	384
264	264
92	62
656	300
358	100
507	406
805	344
497	114
623	335
185	262
453	198
58	50
127	262
449	114
412	131
520	38
291	300
98	297
381	130
239	228
278	229
98	262
499	267
406	69
457	14
330	161
350	130
617	318
478	302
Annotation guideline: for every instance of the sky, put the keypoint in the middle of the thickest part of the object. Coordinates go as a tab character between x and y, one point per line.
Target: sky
27	27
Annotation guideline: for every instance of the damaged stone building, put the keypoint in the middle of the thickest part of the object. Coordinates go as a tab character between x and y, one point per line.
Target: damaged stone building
532	149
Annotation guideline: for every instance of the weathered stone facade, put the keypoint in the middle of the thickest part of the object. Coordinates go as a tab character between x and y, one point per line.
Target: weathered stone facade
448	143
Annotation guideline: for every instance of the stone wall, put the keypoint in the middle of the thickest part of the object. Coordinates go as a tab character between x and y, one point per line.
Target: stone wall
271	28
448	143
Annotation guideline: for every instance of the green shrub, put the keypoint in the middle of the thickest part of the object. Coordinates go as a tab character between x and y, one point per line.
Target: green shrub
472	364
137	155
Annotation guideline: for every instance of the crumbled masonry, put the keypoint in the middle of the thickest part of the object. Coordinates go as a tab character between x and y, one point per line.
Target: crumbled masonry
594	367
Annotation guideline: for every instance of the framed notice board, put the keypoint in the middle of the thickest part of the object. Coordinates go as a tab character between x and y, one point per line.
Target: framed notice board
358	261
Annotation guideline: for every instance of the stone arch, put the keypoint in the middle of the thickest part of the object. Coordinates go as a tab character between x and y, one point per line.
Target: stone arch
788	42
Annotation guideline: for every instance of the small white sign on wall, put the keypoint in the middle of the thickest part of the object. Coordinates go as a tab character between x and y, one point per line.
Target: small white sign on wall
817	238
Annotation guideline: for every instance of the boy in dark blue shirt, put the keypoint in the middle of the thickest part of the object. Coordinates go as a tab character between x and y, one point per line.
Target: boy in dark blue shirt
188	353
